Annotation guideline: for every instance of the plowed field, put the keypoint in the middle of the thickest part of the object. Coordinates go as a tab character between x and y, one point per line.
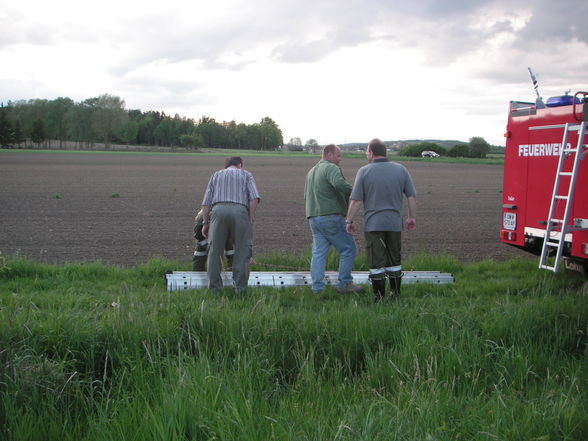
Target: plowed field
125	209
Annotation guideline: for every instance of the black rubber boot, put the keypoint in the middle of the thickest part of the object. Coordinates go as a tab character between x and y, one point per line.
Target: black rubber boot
395	282
199	263
379	289
229	262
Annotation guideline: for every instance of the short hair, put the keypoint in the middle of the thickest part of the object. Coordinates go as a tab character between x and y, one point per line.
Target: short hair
233	160
331	148
377	147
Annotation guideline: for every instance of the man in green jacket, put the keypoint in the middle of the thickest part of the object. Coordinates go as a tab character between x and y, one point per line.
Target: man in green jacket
326	194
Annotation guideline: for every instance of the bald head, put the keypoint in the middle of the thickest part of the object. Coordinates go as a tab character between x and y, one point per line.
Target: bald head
332	153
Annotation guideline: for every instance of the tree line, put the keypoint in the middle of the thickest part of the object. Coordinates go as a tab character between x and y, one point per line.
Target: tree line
477	147
105	119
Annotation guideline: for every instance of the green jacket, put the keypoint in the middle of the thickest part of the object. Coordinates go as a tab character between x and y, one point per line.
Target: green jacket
325	190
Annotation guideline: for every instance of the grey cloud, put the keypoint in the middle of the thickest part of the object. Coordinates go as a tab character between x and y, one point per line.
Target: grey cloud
27	88
314	50
155	93
308	31
502	26
224	65
551	30
285	26
184	104
425	24
176	45
557	20
435	9
16	30
164	85
554	43
547	63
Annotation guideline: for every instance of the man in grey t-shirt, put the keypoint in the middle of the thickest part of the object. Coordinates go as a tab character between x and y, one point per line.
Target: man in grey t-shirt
381	186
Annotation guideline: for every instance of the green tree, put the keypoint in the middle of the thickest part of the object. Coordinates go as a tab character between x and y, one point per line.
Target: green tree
56	120
6	132
295	141
459	151
271	135
232	134
242	135
104	119
147	125
163	134
38	132
213	134
181	126
18	134
129	132
479	148
418	148
109	117
79	121
191	141
295	144
312	145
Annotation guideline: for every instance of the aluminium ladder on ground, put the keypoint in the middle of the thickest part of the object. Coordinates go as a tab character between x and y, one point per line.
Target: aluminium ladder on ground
557	229
185	280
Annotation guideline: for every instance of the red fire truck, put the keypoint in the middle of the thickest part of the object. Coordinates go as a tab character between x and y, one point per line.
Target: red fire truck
545	188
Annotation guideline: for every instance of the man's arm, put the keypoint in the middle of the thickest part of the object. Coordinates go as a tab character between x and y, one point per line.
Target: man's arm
410	222
253	203
337	180
351	212
205	219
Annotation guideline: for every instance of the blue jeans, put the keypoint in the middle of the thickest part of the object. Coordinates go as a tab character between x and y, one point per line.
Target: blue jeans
326	231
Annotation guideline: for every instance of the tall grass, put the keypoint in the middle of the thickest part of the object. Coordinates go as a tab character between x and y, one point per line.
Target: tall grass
97	352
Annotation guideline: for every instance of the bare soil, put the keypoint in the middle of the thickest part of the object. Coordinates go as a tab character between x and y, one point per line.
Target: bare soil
125	209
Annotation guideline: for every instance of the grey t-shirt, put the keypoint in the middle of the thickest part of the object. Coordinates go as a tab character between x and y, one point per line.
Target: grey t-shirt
381	186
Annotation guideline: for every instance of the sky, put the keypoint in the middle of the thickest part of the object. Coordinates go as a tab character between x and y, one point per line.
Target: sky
337	71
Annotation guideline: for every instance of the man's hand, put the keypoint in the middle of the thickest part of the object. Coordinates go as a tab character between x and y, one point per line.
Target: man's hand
205	230
410	224
350	228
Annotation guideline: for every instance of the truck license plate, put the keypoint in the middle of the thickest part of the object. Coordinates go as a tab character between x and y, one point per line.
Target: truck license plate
509	222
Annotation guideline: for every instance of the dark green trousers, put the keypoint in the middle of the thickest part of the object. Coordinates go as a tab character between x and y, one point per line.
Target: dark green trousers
383	251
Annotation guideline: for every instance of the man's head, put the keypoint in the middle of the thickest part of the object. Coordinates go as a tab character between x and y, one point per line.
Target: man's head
235	161
332	153
376	148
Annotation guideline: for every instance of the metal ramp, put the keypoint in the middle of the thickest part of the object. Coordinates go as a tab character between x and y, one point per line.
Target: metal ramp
557	229
184	280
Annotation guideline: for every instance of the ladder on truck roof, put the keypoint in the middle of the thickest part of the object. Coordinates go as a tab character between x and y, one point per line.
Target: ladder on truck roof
557	229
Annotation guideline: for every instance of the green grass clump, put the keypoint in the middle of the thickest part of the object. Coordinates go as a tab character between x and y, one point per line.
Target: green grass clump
96	352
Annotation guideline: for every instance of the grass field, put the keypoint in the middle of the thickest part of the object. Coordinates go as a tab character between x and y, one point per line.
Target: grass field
96	352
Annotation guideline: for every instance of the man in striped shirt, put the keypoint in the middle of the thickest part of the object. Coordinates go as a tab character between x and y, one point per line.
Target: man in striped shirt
228	208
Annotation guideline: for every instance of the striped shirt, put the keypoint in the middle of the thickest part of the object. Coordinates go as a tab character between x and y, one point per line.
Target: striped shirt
230	185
